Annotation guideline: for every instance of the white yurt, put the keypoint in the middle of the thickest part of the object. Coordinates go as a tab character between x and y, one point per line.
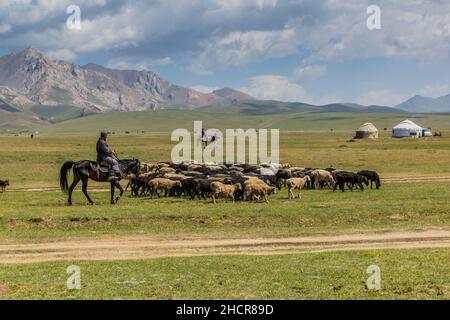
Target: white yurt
407	128
367	131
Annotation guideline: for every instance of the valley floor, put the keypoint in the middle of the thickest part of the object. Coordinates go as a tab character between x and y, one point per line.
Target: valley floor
316	248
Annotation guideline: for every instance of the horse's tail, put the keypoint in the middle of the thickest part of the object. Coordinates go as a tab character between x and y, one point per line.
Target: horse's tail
63	175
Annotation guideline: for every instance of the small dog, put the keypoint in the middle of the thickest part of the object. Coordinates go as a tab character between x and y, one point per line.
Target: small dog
3	185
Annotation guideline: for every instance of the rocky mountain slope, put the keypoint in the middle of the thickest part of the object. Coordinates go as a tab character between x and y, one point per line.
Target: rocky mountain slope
29	79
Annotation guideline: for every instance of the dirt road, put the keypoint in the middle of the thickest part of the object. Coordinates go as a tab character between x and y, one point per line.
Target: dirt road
133	248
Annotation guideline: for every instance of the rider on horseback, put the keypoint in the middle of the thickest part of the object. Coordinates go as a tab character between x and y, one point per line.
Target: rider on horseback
107	155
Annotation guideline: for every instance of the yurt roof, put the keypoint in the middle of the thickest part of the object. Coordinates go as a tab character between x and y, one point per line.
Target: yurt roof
367	127
408	124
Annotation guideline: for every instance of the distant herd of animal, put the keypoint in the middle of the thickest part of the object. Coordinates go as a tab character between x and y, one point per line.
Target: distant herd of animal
241	182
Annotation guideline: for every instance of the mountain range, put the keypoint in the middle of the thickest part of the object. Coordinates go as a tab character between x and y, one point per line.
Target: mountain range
37	90
420	104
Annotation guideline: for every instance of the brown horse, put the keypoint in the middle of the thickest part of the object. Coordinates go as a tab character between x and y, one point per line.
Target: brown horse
85	170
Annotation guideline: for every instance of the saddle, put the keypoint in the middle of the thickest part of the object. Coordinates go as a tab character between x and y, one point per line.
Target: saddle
103	167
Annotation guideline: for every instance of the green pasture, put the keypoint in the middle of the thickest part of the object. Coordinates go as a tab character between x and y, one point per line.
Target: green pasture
405	274
44	216
308	139
35	163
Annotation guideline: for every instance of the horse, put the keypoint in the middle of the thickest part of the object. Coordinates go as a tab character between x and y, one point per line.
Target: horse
86	169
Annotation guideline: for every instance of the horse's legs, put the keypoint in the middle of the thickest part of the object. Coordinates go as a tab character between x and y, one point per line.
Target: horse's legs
84	180
115	184
118	186
76	179
113	189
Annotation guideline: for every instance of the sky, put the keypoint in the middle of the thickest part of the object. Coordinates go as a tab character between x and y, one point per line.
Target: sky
308	51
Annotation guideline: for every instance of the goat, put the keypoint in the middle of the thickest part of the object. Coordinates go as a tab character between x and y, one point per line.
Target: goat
296	183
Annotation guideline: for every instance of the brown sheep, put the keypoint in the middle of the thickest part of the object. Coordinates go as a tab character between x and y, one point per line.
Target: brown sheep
322	178
166	170
226	191
255	190
165	185
147	167
297	184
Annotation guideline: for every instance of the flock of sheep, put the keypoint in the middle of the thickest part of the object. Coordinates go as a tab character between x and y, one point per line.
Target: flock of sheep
241	182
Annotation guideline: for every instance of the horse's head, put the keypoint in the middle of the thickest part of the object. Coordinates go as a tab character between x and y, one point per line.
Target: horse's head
131	166
135	167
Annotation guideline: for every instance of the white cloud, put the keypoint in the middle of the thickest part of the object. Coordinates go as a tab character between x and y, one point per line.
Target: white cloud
4	28
163	61
384	97
240	48
275	87
232	33
435	90
310	72
204	89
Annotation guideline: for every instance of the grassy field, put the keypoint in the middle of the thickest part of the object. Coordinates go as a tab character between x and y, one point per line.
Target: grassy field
35	163
405	274
33	217
306	140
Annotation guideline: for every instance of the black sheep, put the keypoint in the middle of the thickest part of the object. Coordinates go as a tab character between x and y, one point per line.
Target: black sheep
371	176
351	179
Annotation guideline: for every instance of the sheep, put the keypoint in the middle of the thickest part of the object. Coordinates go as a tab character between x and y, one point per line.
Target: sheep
271	180
296	169
321	178
175	177
194	167
162	184
222	190
3	185
166	170
282	176
371	176
258	190
140	183
193	174
201	188
147	167
351	179
235	168
135	183
297	183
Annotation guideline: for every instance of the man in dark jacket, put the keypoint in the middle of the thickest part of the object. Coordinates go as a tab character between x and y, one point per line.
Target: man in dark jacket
105	154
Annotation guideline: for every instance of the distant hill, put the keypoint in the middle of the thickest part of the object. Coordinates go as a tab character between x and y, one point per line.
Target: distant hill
18	121
421	104
233	95
169	120
273	107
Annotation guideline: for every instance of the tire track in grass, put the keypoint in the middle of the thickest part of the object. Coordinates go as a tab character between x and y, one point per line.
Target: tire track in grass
139	248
